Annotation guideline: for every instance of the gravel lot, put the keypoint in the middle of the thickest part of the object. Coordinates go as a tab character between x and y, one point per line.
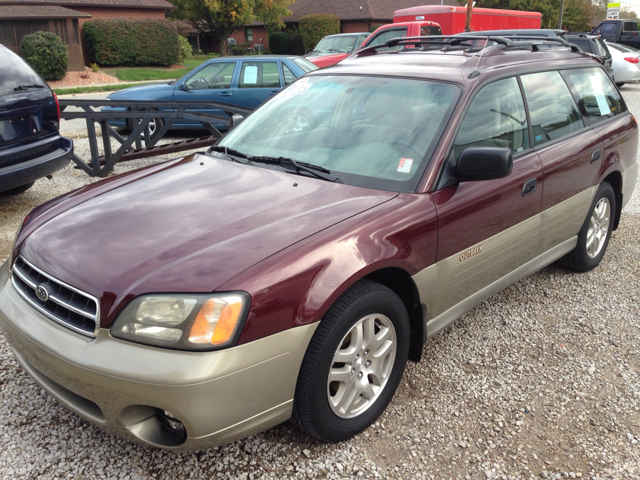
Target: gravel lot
540	381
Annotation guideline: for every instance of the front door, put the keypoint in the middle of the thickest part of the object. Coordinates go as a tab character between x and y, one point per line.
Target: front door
486	229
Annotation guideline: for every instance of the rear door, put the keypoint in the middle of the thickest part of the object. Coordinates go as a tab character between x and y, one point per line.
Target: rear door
570	153
258	81
487	229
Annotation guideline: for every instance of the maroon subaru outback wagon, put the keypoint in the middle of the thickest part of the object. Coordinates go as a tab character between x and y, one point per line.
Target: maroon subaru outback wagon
292	270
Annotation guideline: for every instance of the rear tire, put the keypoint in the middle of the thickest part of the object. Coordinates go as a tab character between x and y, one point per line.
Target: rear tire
17	190
619	84
353	364
595	233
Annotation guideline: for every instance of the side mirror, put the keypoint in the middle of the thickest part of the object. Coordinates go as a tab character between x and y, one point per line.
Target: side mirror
182	87
483	163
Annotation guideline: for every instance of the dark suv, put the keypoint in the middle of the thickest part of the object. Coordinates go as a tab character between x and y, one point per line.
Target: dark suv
292	270
594	45
30	145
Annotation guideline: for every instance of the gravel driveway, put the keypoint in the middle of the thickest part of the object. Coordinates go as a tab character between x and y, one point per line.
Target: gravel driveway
540	381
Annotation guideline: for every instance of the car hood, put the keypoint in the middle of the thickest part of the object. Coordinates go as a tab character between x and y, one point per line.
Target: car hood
187	228
152	91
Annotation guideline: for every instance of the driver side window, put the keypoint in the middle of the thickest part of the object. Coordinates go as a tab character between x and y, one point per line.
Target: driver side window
382	37
213	76
496	118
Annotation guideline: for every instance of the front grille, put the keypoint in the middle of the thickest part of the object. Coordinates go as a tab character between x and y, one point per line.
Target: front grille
65	304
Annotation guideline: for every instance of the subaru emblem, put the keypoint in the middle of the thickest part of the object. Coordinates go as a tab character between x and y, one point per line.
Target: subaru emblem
42	293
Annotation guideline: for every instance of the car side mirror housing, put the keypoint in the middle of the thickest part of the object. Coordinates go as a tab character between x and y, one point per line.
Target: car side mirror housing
483	163
182	87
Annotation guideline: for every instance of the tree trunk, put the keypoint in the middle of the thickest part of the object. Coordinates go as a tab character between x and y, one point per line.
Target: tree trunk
467	25
223	47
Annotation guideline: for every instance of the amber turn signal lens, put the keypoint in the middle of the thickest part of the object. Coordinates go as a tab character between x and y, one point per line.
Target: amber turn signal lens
216	321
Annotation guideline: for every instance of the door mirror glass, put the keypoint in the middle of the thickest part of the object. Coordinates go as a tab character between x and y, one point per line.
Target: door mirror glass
483	163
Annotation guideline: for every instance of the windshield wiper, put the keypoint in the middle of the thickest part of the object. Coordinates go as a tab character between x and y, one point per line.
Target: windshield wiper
27	87
299	167
231	153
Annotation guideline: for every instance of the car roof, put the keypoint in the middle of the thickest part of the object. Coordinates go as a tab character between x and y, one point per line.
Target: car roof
540	32
457	66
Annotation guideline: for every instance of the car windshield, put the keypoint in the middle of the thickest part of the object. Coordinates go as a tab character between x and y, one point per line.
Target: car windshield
337	44
371	132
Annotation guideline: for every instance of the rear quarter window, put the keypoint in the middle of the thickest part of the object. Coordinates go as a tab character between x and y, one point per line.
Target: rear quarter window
597	97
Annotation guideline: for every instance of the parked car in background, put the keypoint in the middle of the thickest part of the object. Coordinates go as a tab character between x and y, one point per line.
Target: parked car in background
30	144
247	81
622	31
333	48
291	270
625	63
594	45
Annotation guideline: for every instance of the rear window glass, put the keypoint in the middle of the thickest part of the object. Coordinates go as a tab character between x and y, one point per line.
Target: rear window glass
15	72
601	47
596	94
581	44
387	35
630	27
305	65
552	108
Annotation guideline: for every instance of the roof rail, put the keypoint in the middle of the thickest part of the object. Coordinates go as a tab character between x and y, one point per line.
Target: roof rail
453	41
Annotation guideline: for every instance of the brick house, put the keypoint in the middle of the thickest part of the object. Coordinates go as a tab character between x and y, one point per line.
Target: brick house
65	18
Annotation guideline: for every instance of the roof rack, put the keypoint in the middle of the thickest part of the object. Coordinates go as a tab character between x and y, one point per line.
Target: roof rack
462	42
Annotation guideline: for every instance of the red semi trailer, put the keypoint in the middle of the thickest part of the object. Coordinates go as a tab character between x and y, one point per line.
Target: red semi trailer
452	19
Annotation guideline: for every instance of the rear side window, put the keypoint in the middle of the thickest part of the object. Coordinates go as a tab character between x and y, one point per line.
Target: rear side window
15	72
553	110
496	118
386	35
581	44
597	97
259	75
630	27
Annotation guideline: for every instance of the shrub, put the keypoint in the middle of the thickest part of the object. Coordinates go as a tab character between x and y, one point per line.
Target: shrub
131	43
375	26
316	26
280	43
186	50
46	53
239	48
95	67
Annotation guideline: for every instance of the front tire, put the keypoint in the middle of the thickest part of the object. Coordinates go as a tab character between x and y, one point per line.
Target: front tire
353	364
595	233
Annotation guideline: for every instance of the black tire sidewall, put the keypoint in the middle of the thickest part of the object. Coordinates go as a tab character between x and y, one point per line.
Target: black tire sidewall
328	424
584	262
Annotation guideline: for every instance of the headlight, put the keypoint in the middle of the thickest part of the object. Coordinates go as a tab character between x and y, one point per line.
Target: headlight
183	322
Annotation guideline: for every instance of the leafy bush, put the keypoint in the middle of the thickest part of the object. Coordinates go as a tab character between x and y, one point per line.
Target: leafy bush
46	53
316	26
186	50
280	43
239	48
375	26
95	67
131	43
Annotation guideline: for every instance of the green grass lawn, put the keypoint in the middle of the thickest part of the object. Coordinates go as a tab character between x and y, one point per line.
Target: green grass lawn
90	89
146	73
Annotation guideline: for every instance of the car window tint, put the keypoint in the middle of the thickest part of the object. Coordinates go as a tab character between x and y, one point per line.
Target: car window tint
597	96
259	75
388	35
214	75
287	74
370	132
496	118
425	31
552	109
630	27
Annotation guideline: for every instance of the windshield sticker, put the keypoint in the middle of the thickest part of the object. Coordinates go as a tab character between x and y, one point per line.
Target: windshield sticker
599	94
405	165
251	75
296	88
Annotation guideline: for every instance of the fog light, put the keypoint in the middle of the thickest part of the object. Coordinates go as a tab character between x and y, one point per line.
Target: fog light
172	425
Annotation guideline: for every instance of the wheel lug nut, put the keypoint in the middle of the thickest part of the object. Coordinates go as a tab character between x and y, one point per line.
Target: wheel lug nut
367	363
357	356
366	352
359	375
353	370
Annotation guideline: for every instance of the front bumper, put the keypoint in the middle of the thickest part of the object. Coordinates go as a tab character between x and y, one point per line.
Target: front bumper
121	386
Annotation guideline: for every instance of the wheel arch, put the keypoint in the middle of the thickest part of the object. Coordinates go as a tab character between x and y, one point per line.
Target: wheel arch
401	283
615	180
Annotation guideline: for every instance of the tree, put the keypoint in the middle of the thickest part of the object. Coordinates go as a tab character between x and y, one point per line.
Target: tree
600	12
218	18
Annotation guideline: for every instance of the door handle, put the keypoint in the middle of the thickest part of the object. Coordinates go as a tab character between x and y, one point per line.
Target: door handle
595	156
226	94
529	187
274	92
